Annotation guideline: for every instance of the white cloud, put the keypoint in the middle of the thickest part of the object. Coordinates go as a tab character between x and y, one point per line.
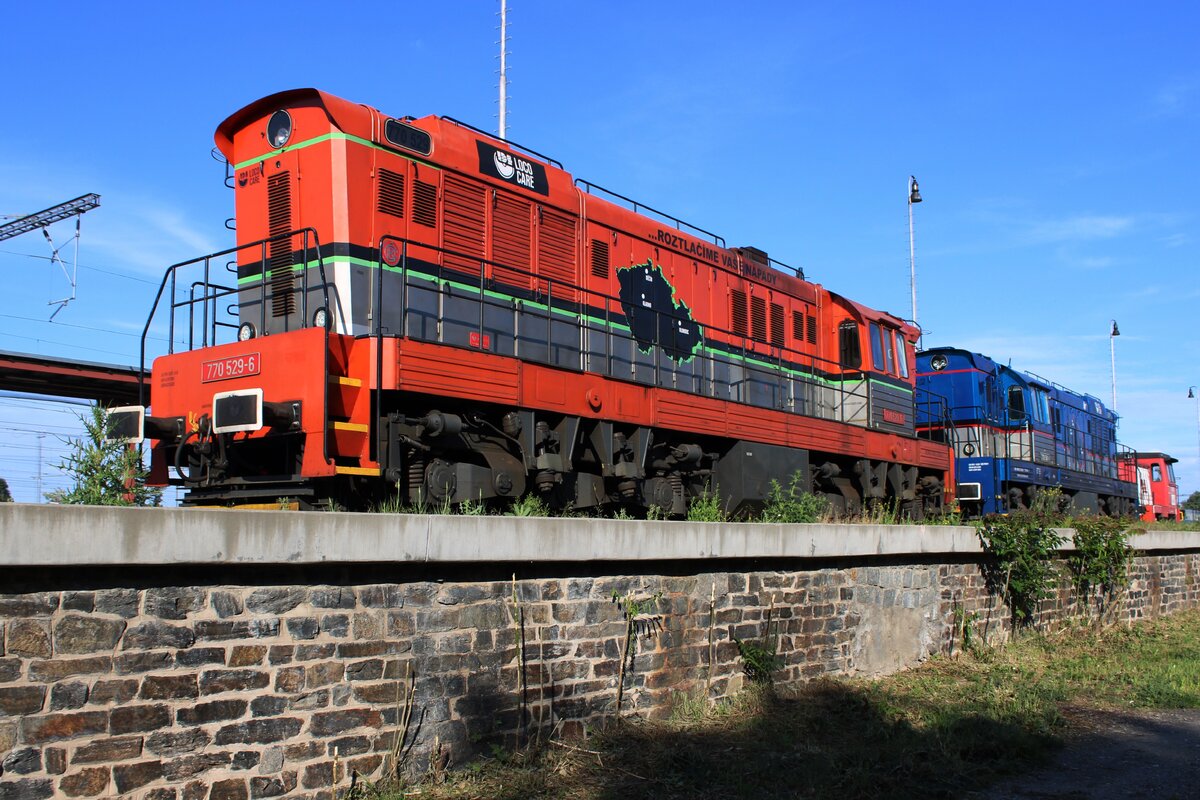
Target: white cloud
1173	99
1078	228
149	238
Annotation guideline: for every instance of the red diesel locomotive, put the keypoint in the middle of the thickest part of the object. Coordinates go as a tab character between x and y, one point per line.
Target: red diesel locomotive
417	307
1158	493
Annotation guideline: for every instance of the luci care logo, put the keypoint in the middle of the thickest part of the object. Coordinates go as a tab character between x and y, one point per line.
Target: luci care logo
504	164
512	169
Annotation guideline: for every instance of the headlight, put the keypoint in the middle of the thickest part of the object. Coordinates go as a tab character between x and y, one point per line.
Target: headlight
279	129
246	332
320	318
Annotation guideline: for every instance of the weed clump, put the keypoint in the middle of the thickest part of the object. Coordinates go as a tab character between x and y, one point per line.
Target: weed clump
793	504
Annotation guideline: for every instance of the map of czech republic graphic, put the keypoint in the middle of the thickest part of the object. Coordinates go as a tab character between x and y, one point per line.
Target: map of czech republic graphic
655	316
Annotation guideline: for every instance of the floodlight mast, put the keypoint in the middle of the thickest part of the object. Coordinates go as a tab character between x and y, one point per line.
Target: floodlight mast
43	220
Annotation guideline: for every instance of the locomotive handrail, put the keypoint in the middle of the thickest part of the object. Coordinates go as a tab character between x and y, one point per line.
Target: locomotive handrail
563	297
679	224
1072	451
211	292
217	155
224	291
508	142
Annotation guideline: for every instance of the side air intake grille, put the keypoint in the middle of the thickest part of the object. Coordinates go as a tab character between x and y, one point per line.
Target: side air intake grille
812	329
391	193
737	312
425	204
464	229
599	258
777	333
279	222
758	318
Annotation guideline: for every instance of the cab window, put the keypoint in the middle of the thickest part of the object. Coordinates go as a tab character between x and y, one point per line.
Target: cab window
1016	403
877	347
849	349
1041	405
901	355
889	351
1156	472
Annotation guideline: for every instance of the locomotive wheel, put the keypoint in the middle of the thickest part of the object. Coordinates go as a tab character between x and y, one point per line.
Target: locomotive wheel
440	480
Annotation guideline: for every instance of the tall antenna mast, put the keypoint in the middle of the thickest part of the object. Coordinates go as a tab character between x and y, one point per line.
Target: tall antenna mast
503	68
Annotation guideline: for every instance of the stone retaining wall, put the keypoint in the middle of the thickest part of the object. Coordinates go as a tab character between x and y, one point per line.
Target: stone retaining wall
268	681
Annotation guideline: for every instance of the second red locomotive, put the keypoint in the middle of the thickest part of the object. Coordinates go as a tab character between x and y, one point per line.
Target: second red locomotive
417	307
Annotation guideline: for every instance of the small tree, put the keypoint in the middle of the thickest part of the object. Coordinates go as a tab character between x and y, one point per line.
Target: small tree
1193	502
104	472
5	494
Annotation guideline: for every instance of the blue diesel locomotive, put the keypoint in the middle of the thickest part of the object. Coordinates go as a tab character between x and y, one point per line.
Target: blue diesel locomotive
1015	434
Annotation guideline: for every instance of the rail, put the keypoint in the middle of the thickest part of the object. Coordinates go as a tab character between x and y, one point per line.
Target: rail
205	293
512	144
545	320
741	369
1074	449
639	208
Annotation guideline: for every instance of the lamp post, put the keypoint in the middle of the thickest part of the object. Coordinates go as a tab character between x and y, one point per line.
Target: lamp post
1112	353
1192	394
914	196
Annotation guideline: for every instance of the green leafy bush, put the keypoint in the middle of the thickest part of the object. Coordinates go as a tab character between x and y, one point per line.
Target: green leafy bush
793	504
1021	549
103	472
1100	564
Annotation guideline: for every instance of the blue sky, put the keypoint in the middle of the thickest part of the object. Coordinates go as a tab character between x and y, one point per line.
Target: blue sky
1055	145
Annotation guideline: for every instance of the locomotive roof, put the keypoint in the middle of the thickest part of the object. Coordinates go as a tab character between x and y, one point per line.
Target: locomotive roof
1163	456
342	111
911	332
457	143
1070	397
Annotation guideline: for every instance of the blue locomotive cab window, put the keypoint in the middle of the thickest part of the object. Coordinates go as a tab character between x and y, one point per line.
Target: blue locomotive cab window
1041	405
1016	404
408	137
877	347
849	349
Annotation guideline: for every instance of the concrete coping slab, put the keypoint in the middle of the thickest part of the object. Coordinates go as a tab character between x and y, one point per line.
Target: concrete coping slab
50	535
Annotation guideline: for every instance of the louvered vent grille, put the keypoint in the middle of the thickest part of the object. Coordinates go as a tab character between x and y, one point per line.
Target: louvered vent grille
463	229
556	252
391	193
798	325
279	222
812	329
600	261
512	234
424	204
758	318
777	334
737	312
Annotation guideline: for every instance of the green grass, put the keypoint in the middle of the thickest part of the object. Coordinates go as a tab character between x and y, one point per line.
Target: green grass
944	729
1166	525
